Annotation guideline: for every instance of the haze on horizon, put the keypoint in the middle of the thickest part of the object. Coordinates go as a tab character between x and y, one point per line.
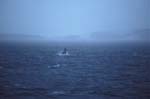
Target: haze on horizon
75	20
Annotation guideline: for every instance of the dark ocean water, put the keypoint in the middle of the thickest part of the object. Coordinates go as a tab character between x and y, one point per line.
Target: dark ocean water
91	71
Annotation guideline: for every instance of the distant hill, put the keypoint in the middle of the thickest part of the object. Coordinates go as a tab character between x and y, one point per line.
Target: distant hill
18	37
141	35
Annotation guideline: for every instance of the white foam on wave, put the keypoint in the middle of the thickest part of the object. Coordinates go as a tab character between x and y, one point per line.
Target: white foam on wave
54	66
57	65
58	92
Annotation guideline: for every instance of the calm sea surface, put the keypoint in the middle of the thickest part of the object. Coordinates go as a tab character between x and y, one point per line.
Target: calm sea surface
91	71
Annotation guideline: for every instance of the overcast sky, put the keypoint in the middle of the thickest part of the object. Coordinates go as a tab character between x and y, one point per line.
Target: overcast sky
73	19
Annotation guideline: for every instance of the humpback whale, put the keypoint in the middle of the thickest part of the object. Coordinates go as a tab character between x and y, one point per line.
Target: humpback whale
64	52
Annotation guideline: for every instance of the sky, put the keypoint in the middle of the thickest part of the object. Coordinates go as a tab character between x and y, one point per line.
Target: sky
74	20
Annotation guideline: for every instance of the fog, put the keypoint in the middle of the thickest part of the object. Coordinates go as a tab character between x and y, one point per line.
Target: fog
75	20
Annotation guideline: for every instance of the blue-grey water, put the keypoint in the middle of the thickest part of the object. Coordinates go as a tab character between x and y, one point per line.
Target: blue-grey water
91	71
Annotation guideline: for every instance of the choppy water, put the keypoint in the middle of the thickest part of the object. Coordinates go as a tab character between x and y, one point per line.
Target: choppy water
110	71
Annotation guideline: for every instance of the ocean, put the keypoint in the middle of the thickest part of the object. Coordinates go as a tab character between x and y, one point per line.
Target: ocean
90	71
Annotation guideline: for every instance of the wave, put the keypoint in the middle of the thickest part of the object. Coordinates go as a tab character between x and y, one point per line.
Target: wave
58	93
54	66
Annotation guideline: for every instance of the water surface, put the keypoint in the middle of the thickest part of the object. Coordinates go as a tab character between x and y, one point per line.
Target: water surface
91	71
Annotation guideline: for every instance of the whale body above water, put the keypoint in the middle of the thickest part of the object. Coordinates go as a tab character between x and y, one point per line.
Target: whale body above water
64	52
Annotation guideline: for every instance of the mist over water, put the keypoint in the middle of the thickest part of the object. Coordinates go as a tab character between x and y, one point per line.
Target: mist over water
65	20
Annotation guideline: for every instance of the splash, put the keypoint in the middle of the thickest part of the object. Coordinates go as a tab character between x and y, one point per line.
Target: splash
61	54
